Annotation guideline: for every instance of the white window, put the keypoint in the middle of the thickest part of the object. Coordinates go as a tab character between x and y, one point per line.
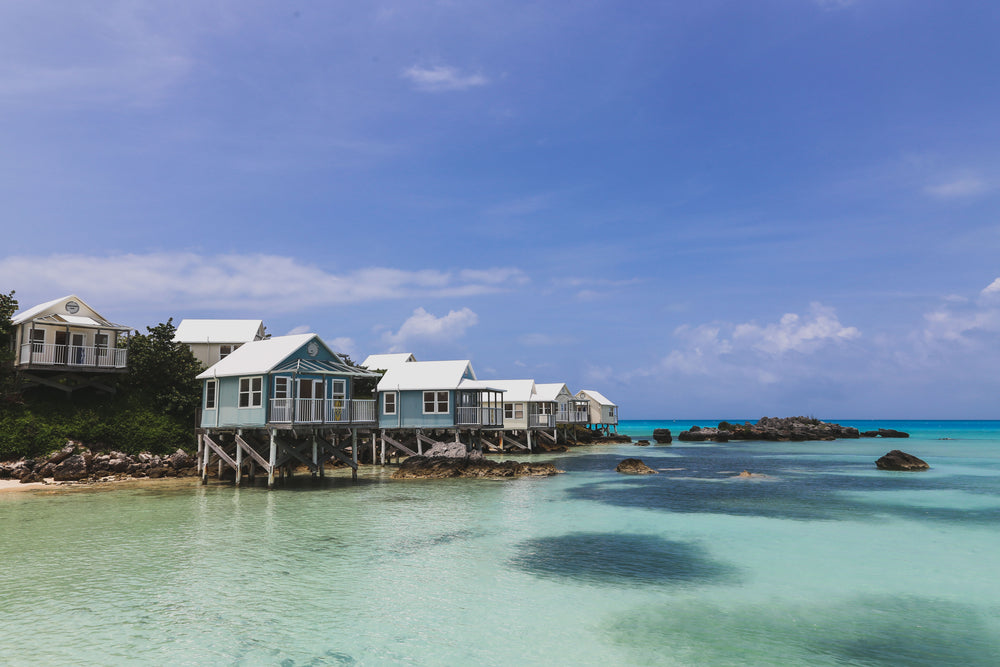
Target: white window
508	410
389	403
545	408
225	351
251	394
210	395
101	343
281	387
436	402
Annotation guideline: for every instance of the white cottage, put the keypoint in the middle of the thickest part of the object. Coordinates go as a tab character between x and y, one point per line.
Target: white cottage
383	362
524	407
569	409
211	341
64	343
603	413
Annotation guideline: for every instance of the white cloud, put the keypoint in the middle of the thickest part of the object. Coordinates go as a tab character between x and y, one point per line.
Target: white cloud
796	333
422	325
301	329
442	78
957	320
255	282
342	345
992	288
962	187
541	339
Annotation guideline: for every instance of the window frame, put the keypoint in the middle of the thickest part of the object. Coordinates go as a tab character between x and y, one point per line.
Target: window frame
229	347
211	394
436	402
386	396
282	384
254	396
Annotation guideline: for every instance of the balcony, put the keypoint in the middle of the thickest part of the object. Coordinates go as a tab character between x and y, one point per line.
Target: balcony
541	421
481	416
322	411
42	355
573	416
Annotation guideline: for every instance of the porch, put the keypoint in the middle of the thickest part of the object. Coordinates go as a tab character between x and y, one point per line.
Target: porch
51	355
323	411
574	412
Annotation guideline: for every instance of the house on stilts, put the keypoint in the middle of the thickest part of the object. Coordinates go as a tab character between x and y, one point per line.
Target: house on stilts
570	410
211	341
527	415
433	402
67	345
603	413
278	403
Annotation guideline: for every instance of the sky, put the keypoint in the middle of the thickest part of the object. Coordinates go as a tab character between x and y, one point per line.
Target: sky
701	209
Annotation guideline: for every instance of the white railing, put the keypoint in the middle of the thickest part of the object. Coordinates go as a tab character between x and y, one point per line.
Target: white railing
364	410
541	421
322	411
572	417
481	416
50	354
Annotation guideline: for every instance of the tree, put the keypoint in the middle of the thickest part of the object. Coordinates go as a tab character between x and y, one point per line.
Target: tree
362	386
8	306
161	373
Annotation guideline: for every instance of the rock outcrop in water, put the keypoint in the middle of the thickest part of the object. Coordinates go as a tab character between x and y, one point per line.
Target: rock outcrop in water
634	467
441	467
662	436
885	433
897	460
796	429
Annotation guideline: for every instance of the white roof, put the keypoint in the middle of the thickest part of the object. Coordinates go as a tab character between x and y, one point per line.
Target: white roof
380	362
259	356
550	391
78	320
427	375
217	331
595	396
516	390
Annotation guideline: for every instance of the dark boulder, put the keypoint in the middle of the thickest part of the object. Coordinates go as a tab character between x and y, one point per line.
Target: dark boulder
71	469
693	435
634	467
897	460
440	467
642	443
892	433
180	459
662	436
63	453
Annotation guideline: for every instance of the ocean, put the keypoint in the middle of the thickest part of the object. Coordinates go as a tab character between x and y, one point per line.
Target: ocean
822	560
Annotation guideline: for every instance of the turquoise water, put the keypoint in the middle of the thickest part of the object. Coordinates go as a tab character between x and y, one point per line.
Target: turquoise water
823	561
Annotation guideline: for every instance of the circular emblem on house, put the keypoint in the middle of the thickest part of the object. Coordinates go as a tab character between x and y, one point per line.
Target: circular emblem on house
312	349
72	307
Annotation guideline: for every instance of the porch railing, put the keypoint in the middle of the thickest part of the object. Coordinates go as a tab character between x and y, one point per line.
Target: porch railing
80	356
572	416
541	421
479	416
322	411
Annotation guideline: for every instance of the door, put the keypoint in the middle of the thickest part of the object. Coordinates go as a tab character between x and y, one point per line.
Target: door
338	400
77	351
310	402
61	347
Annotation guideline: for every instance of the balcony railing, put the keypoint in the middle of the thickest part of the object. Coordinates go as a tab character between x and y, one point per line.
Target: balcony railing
77	356
322	411
572	416
480	416
541	421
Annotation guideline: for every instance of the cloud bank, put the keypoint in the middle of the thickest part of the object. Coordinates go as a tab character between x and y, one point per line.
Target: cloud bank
423	326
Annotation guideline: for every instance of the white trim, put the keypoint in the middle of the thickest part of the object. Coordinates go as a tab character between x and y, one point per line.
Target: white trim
385	402
211	390
251	393
436	400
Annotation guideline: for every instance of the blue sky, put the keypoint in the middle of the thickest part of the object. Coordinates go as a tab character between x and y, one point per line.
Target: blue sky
701	209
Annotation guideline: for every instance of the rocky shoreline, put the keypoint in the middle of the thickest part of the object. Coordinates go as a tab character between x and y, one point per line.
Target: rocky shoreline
76	463
786	429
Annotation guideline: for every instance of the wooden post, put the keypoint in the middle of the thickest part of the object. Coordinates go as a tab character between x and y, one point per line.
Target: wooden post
239	459
354	453
529	439
383	448
420	444
201	443
315	455
501	442
204	464
373	448
273	457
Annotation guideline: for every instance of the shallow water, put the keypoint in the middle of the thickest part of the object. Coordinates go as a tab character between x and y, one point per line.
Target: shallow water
823	561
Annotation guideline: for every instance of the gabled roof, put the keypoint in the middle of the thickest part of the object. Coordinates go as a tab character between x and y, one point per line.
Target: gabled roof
427	375
595	396
38	314
516	390
264	356
549	391
384	362
218	331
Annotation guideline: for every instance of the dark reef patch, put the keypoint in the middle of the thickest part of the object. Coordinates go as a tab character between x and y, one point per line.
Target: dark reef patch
621	559
874	631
